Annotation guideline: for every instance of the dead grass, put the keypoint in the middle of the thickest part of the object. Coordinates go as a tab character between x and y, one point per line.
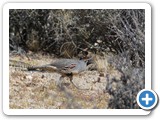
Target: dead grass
102	63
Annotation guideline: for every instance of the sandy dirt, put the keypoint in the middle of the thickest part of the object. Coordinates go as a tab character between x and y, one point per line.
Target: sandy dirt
39	90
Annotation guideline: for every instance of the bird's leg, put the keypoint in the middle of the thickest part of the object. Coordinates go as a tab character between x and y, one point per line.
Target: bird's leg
71	79
59	82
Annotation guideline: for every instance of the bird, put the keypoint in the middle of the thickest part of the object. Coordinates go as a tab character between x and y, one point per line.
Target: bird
65	67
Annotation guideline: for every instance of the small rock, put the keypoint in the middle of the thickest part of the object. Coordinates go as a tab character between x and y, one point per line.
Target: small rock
42	76
99	41
29	77
101	74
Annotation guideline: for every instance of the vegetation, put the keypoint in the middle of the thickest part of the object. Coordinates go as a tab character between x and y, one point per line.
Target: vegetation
115	37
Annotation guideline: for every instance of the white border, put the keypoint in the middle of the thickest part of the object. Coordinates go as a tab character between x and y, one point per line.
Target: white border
8	6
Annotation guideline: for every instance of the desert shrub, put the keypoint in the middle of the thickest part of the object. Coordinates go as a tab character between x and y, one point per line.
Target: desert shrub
124	91
112	30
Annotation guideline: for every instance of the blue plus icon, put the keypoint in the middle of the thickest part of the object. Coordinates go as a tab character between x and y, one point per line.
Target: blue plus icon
147	99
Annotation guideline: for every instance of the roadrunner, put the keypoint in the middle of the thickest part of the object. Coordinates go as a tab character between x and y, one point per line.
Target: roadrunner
65	67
